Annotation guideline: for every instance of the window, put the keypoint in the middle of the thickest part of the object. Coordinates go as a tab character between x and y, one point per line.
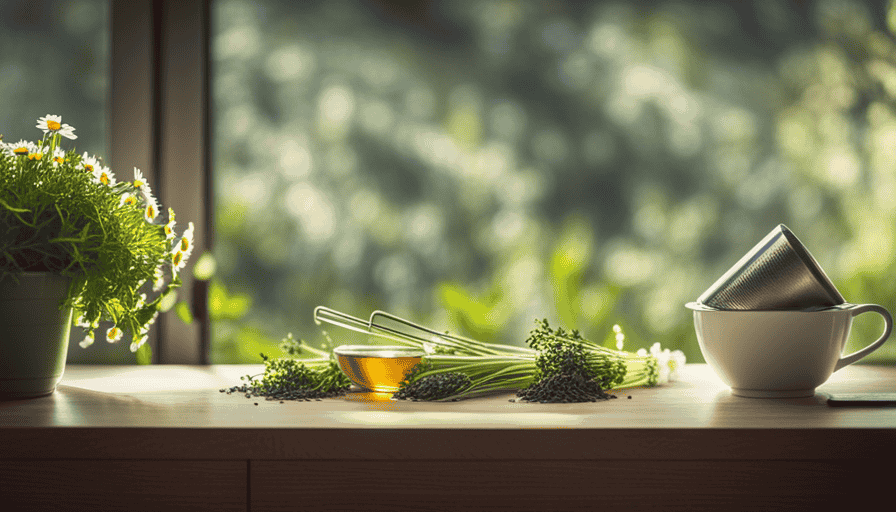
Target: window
476	165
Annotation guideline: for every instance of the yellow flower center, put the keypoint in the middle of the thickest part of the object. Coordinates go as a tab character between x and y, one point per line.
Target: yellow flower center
130	200
184	244
53	125
58	159
138	183
104	179
150	211
35	156
176	259
168	229
21	151
88	167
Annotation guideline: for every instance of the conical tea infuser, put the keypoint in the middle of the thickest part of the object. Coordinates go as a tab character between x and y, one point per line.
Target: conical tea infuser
777	273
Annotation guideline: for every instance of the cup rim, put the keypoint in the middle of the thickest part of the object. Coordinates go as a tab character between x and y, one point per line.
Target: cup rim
699	306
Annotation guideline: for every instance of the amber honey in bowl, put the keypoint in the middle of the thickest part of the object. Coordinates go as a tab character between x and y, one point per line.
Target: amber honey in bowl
377	368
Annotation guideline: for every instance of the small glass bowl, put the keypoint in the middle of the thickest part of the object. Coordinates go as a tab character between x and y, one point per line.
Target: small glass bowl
377	368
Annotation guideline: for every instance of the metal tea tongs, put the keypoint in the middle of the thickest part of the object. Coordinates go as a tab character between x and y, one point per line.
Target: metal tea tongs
394	328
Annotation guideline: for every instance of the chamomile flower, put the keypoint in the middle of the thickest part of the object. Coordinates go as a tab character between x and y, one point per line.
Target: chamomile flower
87	341
104	176
151	210
58	157
127	199
169	227
113	334
669	362
139	180
178	261
139	340
21	148
51	123
37	155
90	163
186	241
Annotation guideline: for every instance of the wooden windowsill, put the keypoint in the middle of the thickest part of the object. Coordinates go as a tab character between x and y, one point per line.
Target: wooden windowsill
123	407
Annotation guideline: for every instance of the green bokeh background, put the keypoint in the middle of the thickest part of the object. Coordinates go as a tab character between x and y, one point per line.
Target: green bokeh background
475	165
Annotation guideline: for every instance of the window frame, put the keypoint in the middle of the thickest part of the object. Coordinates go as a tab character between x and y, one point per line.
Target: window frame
160	122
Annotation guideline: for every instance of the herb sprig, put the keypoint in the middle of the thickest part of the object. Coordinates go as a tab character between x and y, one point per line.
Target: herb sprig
289	378
557	366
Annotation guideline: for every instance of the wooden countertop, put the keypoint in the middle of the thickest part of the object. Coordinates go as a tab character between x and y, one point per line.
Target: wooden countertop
178	412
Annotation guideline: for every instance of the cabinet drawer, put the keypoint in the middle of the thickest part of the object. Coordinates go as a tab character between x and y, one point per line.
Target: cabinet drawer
123	485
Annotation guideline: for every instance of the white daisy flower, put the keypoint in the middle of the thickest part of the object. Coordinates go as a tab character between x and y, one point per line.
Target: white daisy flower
140	340
127	199
178	261
669	362
90	163
51	123
151	211
113	334
104	176
152	206
58	157
87	341
139	180
21	148
186	241
169	229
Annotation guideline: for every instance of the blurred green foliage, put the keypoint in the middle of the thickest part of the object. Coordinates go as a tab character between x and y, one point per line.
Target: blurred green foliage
477	165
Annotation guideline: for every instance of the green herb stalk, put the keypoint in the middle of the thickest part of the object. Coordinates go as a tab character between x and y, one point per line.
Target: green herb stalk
550	352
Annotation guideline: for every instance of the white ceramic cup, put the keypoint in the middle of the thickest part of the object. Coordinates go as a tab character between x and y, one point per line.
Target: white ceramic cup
780	354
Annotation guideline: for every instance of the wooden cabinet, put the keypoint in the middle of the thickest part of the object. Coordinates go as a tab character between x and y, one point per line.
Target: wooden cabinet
165	438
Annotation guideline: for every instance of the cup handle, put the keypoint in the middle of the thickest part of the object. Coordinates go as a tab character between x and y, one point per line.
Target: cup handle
888	328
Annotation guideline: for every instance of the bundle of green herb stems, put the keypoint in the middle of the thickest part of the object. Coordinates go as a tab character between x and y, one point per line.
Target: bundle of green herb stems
495	367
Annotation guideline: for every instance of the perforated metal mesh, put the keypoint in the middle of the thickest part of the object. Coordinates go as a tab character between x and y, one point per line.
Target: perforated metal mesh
778	273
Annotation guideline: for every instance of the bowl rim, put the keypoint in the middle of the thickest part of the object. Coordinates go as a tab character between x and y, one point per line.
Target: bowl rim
383	351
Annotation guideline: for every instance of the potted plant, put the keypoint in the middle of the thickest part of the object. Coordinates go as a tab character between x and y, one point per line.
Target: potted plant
75	242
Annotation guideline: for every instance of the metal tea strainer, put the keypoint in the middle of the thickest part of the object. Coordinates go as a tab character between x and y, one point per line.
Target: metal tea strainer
777	273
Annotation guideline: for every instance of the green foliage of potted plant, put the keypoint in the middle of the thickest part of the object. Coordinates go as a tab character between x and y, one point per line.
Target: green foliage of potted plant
66	215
